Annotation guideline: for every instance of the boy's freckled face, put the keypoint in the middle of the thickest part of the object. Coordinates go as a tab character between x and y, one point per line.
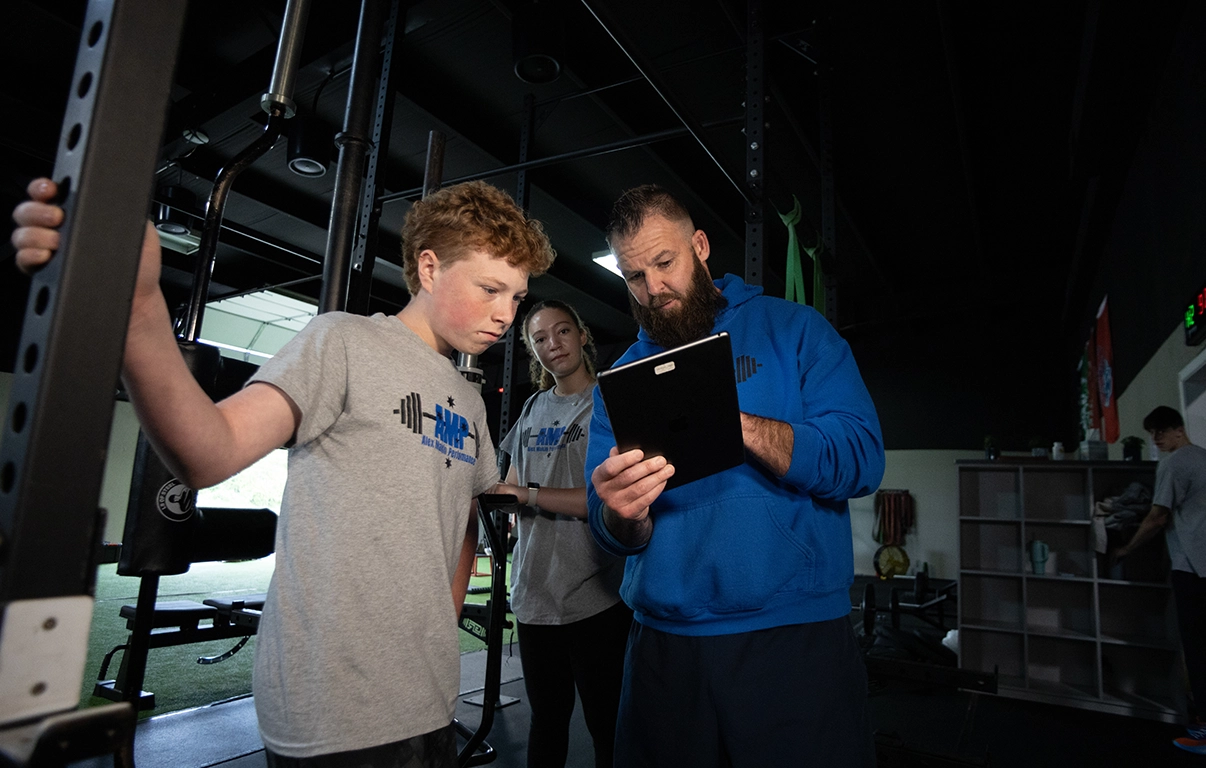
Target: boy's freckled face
475	299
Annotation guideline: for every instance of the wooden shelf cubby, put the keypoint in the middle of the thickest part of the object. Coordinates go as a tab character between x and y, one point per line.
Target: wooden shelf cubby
1076	633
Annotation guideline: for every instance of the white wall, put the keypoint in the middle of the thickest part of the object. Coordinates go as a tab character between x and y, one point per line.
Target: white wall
119	465
931	478
1193	400
1156	384
123	441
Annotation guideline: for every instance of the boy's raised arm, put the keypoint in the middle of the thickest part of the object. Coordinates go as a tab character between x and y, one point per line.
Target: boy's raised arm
201	442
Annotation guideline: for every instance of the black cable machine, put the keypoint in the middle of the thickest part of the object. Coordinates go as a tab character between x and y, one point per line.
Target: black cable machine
493	513
60	407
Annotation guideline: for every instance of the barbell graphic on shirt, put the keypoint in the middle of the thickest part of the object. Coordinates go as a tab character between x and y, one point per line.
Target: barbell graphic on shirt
551	436
449	427
411	412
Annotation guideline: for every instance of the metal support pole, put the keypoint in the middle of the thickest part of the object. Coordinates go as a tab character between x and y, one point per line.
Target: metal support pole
277	102
628	47
476	751
61	404
523	186
523	189
354	145
508	379
134	658
806	142
364	250
828	196
755	144
207	253
433	170
494	512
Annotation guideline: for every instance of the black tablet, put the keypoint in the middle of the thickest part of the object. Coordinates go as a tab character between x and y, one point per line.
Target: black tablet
681	404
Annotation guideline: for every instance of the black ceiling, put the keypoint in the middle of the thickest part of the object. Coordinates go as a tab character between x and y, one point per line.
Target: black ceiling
967	138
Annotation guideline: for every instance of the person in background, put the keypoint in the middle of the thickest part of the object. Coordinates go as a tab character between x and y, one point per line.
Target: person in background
376	512
572	624
1179	509
739	582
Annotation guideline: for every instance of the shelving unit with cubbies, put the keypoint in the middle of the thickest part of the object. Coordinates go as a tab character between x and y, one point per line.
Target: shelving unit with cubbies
1073	634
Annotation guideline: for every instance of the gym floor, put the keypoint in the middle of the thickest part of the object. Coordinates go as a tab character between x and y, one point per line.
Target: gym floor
224	734
915	726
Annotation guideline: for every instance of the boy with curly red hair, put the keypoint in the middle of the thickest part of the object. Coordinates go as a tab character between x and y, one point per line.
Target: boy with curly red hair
357	654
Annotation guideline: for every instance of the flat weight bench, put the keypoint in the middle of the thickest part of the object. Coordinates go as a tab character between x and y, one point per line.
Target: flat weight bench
156	546
180	622
184	615
240	610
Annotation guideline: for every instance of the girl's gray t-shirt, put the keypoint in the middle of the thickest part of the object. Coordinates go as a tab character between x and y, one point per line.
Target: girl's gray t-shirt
558	574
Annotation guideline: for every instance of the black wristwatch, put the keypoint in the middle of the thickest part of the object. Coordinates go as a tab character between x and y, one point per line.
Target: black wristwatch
533	489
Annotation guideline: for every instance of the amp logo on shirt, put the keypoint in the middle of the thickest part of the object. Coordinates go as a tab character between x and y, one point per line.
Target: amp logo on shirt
551	438
449	429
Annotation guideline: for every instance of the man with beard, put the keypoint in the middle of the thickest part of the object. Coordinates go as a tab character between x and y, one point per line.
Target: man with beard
740	581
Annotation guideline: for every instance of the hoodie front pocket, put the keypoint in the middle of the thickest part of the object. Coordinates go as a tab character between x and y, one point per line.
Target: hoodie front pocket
726	557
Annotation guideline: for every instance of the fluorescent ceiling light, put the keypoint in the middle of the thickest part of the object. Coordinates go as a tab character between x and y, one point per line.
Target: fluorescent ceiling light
233	348
186	244
268	307
607	260
256	324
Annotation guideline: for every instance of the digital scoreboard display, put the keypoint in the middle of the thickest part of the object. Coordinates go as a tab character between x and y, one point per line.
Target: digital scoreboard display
1195	318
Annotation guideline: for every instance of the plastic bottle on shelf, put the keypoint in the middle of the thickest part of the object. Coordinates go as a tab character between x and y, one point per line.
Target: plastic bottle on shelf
1057	451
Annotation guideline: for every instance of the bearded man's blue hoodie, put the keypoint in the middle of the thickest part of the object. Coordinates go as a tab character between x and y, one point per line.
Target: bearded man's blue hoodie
744	550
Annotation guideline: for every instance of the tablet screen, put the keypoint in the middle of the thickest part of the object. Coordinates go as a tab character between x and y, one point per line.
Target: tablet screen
681	404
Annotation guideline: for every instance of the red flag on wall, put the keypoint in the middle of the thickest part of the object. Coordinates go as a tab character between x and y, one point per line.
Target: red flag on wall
1090	412
1106	396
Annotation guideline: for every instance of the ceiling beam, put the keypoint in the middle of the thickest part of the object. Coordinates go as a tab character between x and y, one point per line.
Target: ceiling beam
632	51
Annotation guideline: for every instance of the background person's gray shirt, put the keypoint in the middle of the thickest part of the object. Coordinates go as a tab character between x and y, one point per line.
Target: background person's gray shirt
1181	486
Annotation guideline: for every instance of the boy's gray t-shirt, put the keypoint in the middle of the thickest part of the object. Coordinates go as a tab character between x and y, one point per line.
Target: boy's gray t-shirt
558	574
1181	487
358	642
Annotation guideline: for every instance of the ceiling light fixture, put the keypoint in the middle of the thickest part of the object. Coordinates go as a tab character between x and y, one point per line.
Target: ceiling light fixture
171	211
241	350
256	324
310	146
607	260
536	40
188	244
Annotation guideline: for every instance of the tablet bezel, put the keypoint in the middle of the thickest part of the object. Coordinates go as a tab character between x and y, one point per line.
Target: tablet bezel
647	399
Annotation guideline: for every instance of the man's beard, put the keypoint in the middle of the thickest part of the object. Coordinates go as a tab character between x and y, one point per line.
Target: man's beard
694	318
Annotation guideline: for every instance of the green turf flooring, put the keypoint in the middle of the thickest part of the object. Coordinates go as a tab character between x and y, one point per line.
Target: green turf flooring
173	674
